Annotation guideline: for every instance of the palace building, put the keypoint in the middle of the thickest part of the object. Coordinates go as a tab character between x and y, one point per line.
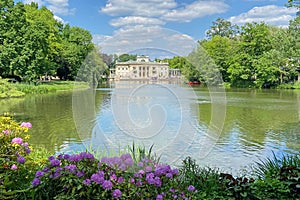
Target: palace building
143	69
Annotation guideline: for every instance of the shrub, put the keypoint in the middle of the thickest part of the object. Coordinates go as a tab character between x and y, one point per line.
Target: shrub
14	152
82	176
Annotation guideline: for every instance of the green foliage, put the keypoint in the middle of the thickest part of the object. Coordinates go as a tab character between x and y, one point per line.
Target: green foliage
222	28
92	68
260	56
9	90
33	43
293	3
126	57
15	165
278	177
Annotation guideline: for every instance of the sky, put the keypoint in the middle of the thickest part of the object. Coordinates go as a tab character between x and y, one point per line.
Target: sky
163	26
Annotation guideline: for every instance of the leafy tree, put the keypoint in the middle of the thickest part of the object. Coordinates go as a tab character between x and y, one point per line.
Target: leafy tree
222	28
13	26
76	45
126	57
293	3
220	50
92	68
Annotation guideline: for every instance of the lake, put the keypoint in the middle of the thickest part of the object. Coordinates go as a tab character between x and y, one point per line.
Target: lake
226	129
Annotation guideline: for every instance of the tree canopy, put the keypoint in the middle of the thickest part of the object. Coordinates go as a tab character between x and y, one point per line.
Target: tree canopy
33	43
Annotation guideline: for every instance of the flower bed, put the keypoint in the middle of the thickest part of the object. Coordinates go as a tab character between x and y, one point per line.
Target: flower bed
24	174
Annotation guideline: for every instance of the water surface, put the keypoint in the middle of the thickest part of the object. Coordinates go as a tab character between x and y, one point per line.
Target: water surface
175	118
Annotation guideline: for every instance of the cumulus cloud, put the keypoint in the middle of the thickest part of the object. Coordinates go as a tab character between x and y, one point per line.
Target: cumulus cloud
138	7
57	18
58	7
138	38
133	20
195	10
270	14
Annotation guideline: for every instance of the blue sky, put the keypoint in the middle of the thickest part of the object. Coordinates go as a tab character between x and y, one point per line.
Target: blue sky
122	26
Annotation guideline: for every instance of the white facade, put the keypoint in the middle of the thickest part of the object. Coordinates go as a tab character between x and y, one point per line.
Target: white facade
142	69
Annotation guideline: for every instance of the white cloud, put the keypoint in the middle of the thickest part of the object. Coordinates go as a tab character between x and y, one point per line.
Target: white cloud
39	2
270	14
133	20
146	8
57	18
58	7
138	38
195	10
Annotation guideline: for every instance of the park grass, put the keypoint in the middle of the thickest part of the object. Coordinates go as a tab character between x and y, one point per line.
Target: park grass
46	87
16	90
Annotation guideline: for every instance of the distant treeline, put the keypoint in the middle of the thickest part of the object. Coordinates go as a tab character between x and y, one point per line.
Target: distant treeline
252	55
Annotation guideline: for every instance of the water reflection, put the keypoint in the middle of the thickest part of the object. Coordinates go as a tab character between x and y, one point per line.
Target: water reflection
174	118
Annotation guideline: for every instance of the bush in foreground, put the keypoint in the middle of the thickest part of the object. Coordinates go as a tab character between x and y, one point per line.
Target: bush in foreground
130	176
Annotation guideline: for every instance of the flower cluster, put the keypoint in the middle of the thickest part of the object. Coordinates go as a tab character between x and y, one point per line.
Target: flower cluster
82	175
13	142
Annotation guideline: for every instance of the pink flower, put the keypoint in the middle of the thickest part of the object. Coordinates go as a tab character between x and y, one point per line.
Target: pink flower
6	132
14	167
17	140
26	124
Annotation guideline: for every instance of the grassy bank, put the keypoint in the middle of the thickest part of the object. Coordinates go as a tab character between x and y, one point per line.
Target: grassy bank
28	173
13	90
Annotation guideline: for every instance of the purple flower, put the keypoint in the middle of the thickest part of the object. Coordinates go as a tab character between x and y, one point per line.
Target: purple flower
14	167
27	150
113	177
159	197
125	156
74	158
148	168
46	169
107	185
54	163
21	160
174	196
191	188
6	132
120	179
169	175
17	140
141	171
26	124
122	167
97	178
117	194
79	174
139	183
51	158
175	171
140	164
25	144
71	168
39	174
129	161
172	190
86	181
87	155
67	156
157	181
35	182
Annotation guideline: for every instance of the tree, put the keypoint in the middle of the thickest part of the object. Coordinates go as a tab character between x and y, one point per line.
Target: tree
13	27
222	28
126	57
92	68
220	49
76	45
293	3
